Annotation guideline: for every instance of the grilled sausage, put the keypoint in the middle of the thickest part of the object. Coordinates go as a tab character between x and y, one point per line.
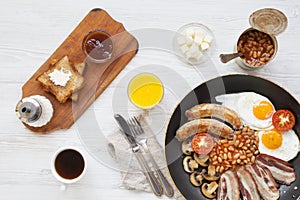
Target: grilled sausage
214	110
211	126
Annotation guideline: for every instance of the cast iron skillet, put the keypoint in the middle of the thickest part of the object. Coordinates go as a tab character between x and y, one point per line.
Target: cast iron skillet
206	92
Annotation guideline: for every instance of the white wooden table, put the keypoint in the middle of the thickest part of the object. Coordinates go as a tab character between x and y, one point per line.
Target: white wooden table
31	30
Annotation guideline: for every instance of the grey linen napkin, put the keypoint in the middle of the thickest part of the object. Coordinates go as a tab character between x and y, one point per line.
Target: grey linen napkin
131	174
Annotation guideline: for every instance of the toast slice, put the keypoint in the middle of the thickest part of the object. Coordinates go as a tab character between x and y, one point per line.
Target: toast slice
73	84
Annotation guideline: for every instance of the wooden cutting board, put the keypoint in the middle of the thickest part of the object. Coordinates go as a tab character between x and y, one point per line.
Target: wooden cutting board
96	76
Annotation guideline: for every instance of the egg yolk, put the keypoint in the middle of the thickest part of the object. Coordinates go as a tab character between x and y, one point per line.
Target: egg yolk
263	110
272	139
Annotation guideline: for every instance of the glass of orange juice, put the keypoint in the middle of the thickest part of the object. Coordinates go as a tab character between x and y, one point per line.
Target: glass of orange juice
145	90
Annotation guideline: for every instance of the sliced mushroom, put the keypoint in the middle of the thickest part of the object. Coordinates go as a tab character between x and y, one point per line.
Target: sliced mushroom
201	159
189	164
210	174
186	147
196	178
209	189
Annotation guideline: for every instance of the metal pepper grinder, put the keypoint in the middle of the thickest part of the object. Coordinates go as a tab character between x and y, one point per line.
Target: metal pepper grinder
28	110
35	110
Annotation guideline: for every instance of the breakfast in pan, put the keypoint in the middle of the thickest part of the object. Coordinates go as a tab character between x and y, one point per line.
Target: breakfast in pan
232	134
239	147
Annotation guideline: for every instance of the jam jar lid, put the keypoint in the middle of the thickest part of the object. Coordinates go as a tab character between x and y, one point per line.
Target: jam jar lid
268	20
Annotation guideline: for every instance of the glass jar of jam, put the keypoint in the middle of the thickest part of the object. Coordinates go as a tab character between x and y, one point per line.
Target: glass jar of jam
97	45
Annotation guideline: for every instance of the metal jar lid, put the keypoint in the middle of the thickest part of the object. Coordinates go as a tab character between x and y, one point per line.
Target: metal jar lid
28	110
268	20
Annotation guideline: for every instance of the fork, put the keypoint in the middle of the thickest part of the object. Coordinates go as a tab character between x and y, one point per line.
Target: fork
141	139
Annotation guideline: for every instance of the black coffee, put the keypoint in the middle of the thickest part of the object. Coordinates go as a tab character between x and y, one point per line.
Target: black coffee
69	164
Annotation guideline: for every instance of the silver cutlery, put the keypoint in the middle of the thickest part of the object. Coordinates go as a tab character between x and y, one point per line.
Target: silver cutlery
141	139
153	181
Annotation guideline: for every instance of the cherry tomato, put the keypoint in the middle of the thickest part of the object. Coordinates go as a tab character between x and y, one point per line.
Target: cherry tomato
283	120
202	143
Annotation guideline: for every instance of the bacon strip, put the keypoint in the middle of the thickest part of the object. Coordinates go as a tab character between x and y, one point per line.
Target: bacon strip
282	171
265	182
247	185
228	187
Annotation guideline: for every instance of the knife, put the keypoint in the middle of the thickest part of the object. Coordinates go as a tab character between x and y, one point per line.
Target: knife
153	181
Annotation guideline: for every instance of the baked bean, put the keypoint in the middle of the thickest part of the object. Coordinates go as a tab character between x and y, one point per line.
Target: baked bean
221	169
231	148
254	54
262	41
251	53
269	47
241	144
220	159
259	53
225	150
256	47
215	158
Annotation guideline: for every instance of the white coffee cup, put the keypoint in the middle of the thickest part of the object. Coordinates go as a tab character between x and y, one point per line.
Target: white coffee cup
68	165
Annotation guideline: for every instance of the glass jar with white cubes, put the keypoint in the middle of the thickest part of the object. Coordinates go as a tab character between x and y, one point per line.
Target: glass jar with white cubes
193	43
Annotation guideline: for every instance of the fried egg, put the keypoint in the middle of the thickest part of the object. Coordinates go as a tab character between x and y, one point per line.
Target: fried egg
254	109
284	145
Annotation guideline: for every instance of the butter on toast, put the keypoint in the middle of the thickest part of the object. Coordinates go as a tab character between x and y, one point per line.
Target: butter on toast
73	83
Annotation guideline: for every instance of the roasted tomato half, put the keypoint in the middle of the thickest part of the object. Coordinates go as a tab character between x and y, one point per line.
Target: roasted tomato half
202	143
283	120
